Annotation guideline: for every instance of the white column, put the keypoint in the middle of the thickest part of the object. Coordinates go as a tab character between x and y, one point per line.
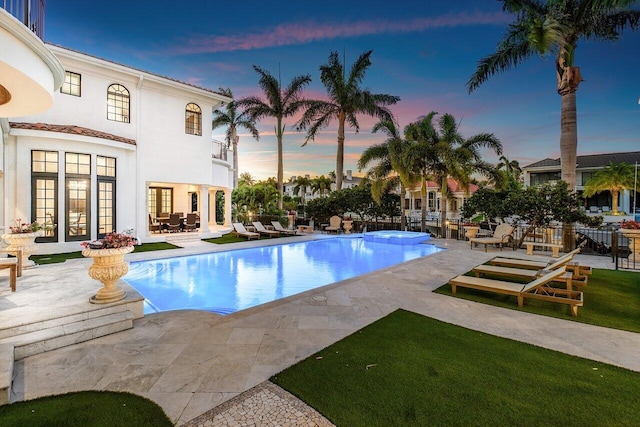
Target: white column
204	209
227	207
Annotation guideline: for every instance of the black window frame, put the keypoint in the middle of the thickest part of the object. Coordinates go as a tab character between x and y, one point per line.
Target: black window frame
193	119
119	96
70	85
52	176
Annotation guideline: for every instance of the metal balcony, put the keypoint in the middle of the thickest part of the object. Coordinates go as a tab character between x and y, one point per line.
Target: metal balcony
29	12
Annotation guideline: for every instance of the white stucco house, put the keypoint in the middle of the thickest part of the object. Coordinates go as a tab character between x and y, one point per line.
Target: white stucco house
116	147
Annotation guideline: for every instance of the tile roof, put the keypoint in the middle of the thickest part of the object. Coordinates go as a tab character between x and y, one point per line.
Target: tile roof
454	186
592	160
138	69
71	129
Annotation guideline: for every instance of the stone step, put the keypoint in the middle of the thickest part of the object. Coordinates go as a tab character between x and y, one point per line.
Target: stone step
177	238
6	372
46	319
54	337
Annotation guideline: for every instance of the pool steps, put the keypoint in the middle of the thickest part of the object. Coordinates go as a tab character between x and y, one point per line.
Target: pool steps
71	325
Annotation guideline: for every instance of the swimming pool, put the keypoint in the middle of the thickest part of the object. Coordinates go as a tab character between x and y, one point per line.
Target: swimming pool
225	282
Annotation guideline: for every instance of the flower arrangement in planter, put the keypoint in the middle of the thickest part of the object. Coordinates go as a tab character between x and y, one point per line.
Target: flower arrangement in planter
112	241
630	225
348	218
25	227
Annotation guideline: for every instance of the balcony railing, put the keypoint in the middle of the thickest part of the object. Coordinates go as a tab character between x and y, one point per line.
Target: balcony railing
219	150
29	12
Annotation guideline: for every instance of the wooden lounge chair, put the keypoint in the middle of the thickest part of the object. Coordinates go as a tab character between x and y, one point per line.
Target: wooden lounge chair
502	234
190	222
577	280
260	229
580	272
17	253
12	265
334	224
239	230
536	289
277	226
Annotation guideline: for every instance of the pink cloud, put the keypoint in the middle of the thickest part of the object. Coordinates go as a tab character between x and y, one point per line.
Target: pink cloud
301	33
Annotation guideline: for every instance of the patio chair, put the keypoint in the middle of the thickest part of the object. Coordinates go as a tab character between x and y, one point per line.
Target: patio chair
334	224
502	234
17	253
278	227
154	225
536	289
239	230
75	224
190	222
174	223
12	265
260	228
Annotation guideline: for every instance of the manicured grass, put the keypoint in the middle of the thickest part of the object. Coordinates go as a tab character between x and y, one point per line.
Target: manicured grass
85	408
410	370
611	299
56	258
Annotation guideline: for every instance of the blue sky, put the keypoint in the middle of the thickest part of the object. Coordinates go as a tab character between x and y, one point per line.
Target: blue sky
424	52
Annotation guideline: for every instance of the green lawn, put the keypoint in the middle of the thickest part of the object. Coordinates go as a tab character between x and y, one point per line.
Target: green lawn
411	370
611	299
85	408
56	258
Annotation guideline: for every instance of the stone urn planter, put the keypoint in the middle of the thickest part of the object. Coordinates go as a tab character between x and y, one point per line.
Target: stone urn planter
348	226
470	231
634	240
108	267
24	242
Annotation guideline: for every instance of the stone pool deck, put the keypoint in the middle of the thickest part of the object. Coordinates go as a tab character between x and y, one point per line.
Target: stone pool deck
190	362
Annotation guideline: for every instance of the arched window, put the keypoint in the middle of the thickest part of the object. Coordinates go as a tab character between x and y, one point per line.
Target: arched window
118	103
193	119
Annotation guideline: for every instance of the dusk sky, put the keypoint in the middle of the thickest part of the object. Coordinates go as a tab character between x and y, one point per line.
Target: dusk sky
424	52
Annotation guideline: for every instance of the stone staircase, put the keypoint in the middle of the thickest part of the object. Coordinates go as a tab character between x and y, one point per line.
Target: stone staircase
49	331
179	239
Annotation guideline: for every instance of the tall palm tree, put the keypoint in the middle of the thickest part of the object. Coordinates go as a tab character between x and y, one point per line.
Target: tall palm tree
614	178
442	153
302	183
346	100
512	167
555	27
321	184
280	104
389	170
233	120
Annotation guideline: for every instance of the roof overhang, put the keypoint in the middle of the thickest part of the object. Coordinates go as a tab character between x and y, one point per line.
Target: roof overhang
29	71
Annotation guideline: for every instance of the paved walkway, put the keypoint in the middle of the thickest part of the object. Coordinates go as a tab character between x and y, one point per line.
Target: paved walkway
191	361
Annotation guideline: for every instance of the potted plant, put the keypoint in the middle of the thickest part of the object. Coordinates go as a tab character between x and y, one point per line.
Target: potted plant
109	264
470	229
21	237
631	230
347	223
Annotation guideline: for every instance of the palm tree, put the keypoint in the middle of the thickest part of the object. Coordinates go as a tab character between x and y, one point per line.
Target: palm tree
444	153
281	103
389	170
346	100
555	27
234	120
511	167
321	184
302	183
614	178
246	178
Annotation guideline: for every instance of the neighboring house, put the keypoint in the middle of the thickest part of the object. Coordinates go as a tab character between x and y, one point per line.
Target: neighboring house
548	170
457	197
119	145
349	181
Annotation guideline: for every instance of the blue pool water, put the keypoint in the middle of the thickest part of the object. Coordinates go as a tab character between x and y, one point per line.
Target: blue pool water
397	237
225	282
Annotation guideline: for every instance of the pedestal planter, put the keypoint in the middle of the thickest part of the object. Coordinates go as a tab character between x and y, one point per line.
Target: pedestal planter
347	225
24	242
471	231
634	241
108	267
